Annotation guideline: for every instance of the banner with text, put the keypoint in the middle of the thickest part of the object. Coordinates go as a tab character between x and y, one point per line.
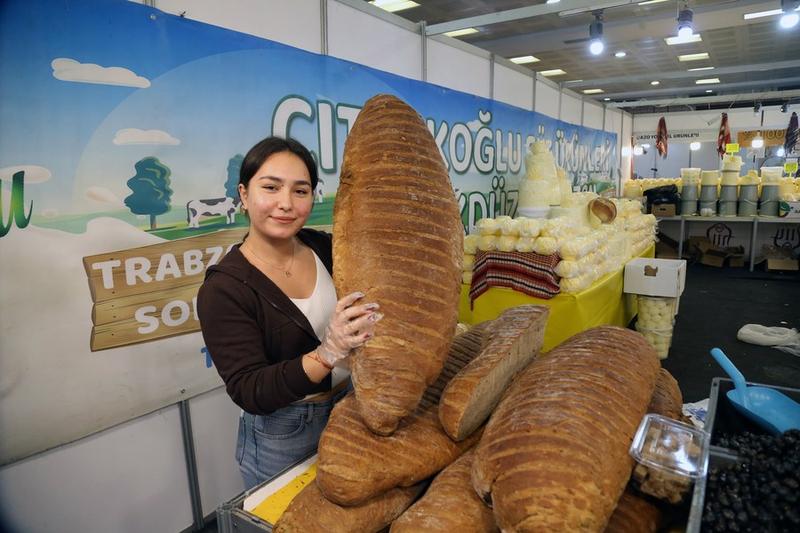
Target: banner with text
119	165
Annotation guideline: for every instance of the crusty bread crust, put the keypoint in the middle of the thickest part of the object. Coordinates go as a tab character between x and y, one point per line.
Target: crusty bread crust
398	237
310	512
355	464
554	454
449	505
515	338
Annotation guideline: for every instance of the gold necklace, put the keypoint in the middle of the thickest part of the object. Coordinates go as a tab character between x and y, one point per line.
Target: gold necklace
287	270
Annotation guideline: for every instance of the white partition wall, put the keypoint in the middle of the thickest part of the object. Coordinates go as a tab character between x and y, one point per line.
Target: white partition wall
547	99
570	108
362	38
513	87
292	22
593	115
456	68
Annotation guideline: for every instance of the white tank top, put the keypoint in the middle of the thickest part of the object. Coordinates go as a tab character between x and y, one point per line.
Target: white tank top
318	309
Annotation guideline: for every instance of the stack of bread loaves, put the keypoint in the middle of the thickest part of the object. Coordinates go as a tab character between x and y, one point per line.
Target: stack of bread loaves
398	237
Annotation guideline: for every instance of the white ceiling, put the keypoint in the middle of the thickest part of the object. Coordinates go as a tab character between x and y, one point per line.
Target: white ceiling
750	56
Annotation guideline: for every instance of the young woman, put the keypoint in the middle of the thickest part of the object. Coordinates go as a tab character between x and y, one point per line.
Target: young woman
270	316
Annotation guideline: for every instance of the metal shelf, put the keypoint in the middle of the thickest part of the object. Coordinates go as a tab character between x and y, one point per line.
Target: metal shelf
754	220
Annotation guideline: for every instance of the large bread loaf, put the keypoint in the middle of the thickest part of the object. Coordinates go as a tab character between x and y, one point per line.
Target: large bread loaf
554	454
355	464
634	514
398	237
449	505
667	399
468	400
310	512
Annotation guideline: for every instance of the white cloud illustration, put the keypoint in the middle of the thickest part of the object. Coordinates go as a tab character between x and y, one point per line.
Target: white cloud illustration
137	136
33	173
102	195
66	69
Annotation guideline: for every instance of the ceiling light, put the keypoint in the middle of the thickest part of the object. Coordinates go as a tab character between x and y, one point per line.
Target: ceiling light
694	146
790	16
693	38
750	16
758	141
785	108
393	5
522	60
553	1
648	2
781	152
596	45
707	81
554	72
459	33
693	57
700	68
685	22
621	53
592	91
606	99
709	91
655	82
638	150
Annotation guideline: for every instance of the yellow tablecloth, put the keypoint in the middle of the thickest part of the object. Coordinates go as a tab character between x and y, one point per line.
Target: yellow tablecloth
602	303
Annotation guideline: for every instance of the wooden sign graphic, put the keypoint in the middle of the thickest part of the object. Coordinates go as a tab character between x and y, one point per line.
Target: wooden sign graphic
150	292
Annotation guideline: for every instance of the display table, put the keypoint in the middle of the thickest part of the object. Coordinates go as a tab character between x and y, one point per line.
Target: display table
601	304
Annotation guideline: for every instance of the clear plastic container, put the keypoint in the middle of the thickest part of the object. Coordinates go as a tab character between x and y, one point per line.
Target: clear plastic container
656	318
671	446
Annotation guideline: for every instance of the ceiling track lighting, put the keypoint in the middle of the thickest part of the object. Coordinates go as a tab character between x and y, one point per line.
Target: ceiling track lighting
685	21
596	44
757	107
791	13
785	108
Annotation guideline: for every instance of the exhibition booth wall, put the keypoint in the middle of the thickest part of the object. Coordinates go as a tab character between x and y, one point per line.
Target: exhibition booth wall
131	475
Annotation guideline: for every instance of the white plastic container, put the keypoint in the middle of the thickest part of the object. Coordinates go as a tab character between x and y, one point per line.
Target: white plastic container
656	321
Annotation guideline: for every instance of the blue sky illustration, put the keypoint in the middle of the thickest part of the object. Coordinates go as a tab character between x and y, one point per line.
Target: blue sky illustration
207	93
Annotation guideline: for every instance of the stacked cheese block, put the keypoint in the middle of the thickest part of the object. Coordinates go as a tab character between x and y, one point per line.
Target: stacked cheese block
656	321
541	187
651	183
587	253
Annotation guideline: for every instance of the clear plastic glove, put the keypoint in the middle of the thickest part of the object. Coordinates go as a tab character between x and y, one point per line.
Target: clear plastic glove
350	327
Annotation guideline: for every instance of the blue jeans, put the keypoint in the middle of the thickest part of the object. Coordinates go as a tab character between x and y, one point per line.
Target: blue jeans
268	444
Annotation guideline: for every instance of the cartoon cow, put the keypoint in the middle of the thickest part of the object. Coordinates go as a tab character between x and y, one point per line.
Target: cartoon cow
211	207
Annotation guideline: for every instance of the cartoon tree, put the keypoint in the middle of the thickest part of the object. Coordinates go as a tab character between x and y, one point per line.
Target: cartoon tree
151	190
232	183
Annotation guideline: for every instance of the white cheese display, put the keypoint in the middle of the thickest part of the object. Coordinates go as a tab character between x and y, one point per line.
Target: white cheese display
586	253
540	189
655	322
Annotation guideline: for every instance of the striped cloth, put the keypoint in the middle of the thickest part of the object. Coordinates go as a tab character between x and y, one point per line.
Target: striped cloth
526	272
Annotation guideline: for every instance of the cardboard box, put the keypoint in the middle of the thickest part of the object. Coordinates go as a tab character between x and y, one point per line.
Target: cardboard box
714	257
790	210
780	263
655	277
664	210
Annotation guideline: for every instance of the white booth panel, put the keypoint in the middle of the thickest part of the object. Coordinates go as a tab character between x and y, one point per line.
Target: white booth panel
371	41
128	479
278	20
215	420
512	87
570	108
454	68
546	99
592	115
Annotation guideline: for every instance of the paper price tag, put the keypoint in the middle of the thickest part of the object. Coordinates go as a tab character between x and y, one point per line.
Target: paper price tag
790	168
732	148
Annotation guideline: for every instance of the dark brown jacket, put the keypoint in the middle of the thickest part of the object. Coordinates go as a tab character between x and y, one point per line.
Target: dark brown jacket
255	334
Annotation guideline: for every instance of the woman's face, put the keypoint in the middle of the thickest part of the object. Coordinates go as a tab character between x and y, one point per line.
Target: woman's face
279	197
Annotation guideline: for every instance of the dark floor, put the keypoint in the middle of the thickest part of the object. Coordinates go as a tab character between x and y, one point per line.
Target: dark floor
715	304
